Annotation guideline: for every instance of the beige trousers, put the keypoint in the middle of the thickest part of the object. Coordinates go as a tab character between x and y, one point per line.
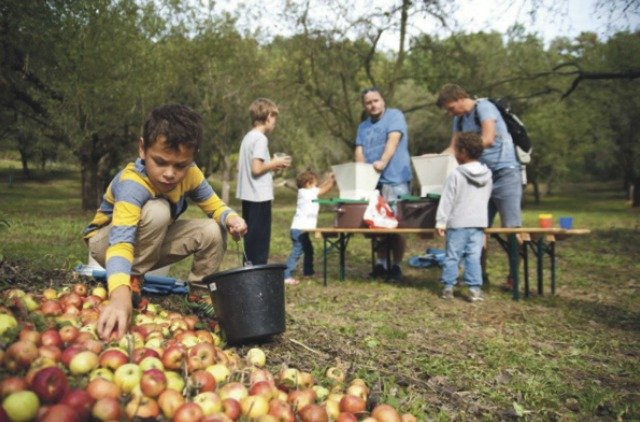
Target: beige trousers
161	241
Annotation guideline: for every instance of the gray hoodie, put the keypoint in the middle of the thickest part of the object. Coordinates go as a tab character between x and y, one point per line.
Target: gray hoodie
465	197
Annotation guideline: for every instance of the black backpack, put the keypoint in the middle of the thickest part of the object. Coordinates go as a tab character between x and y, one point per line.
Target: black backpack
516	129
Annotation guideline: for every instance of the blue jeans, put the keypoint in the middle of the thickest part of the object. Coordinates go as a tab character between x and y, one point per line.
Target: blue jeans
463	246
506	194
301	245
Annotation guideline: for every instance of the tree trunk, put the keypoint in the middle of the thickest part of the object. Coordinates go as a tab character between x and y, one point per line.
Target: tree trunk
89	177
635	201
226	177
25	165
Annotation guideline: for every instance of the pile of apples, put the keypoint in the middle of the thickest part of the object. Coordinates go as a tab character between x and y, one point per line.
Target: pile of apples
169	366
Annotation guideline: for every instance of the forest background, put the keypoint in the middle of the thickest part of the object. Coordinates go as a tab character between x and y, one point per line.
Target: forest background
78	77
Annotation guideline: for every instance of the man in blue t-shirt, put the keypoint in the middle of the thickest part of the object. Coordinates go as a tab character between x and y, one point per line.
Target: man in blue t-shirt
499	154
383	140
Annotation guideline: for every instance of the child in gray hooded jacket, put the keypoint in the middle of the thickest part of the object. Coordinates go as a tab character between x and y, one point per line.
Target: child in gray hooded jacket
462	212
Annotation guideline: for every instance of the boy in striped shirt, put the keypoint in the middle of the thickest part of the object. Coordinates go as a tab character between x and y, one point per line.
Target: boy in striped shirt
136	229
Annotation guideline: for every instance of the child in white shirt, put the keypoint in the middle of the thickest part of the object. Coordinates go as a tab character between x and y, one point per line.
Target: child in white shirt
306	218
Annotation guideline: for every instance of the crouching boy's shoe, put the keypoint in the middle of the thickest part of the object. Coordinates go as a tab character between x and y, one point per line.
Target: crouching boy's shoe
447	293
475	294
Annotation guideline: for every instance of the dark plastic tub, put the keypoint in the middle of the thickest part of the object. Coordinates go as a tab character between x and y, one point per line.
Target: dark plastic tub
249	302
417	213
350	214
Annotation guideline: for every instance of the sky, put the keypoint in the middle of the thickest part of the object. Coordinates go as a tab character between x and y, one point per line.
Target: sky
569	18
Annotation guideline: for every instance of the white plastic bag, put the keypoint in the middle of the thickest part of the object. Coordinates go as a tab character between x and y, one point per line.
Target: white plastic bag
379	214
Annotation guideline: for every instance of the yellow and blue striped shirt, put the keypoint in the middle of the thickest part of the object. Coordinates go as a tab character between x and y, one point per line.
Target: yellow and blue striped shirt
122	205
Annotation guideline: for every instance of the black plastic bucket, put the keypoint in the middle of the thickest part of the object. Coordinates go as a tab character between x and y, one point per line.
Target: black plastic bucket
249	302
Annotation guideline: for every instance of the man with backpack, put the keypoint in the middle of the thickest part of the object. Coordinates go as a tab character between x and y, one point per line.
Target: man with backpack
483	117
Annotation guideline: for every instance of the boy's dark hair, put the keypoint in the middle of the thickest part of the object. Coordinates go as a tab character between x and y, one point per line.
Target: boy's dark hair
178	124
304	178
261	109
449	93
471	143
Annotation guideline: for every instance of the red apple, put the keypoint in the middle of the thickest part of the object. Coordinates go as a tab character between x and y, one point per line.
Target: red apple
80	289
91	302
201	356
385	413
71	299
50	384
51	307
70	352
20	355
143	352
408	417
142	407
258	375
93	345
231	408
203	381
173	357
113	359
353	404
80	400
191	321
153	382
12	385
300	398
169	401
51	337
106	409
59	412
50	352
313	413
100	388
68	334
188	412
281	410
204	336
30	334
346	417
263	388
233	390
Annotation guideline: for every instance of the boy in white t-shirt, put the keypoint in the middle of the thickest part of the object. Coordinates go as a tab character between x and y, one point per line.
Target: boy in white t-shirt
306	218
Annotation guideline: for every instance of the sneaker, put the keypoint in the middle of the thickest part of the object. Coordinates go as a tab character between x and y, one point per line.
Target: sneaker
447	293
291	281
396	273
475	295
378	271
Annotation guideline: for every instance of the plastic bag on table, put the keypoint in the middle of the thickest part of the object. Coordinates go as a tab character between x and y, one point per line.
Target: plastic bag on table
378	214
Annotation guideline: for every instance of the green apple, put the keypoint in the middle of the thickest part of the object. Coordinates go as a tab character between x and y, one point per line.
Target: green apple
219	371
105	373
21	406
7	322
256	357
174	381
83	362
127	377
209	402
150	362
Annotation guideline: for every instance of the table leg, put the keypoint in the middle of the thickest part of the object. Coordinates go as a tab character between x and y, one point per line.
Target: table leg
540	256
552	254
513	264
324	259
387	241
525	259
373	254
342	247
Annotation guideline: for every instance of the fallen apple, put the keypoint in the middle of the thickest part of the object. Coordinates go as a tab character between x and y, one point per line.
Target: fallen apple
50	384
21	406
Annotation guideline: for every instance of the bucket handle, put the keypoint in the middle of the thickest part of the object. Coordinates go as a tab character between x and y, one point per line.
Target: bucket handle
244	261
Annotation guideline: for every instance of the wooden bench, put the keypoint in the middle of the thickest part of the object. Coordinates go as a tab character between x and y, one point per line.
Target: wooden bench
515	241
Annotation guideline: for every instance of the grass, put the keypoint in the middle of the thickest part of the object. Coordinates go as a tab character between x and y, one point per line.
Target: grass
572	356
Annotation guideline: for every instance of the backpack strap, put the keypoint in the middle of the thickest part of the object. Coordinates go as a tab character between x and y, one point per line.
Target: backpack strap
476	118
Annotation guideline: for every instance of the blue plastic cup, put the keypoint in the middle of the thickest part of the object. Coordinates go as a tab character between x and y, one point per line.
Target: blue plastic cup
566	223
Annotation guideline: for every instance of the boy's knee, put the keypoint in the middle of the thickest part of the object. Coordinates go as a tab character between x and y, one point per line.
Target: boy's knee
211	233
155	213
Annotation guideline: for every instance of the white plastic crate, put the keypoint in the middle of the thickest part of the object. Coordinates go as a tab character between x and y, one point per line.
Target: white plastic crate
355	180
432	170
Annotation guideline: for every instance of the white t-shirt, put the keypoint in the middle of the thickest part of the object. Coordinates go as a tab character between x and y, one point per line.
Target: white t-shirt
306	210
255	145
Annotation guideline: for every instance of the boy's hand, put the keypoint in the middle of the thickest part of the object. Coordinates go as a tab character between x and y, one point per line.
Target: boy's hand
115	317
440	232
236	226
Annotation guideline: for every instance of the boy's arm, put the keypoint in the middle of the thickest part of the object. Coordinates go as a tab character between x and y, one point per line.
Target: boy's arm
326	185
259	167
447	200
